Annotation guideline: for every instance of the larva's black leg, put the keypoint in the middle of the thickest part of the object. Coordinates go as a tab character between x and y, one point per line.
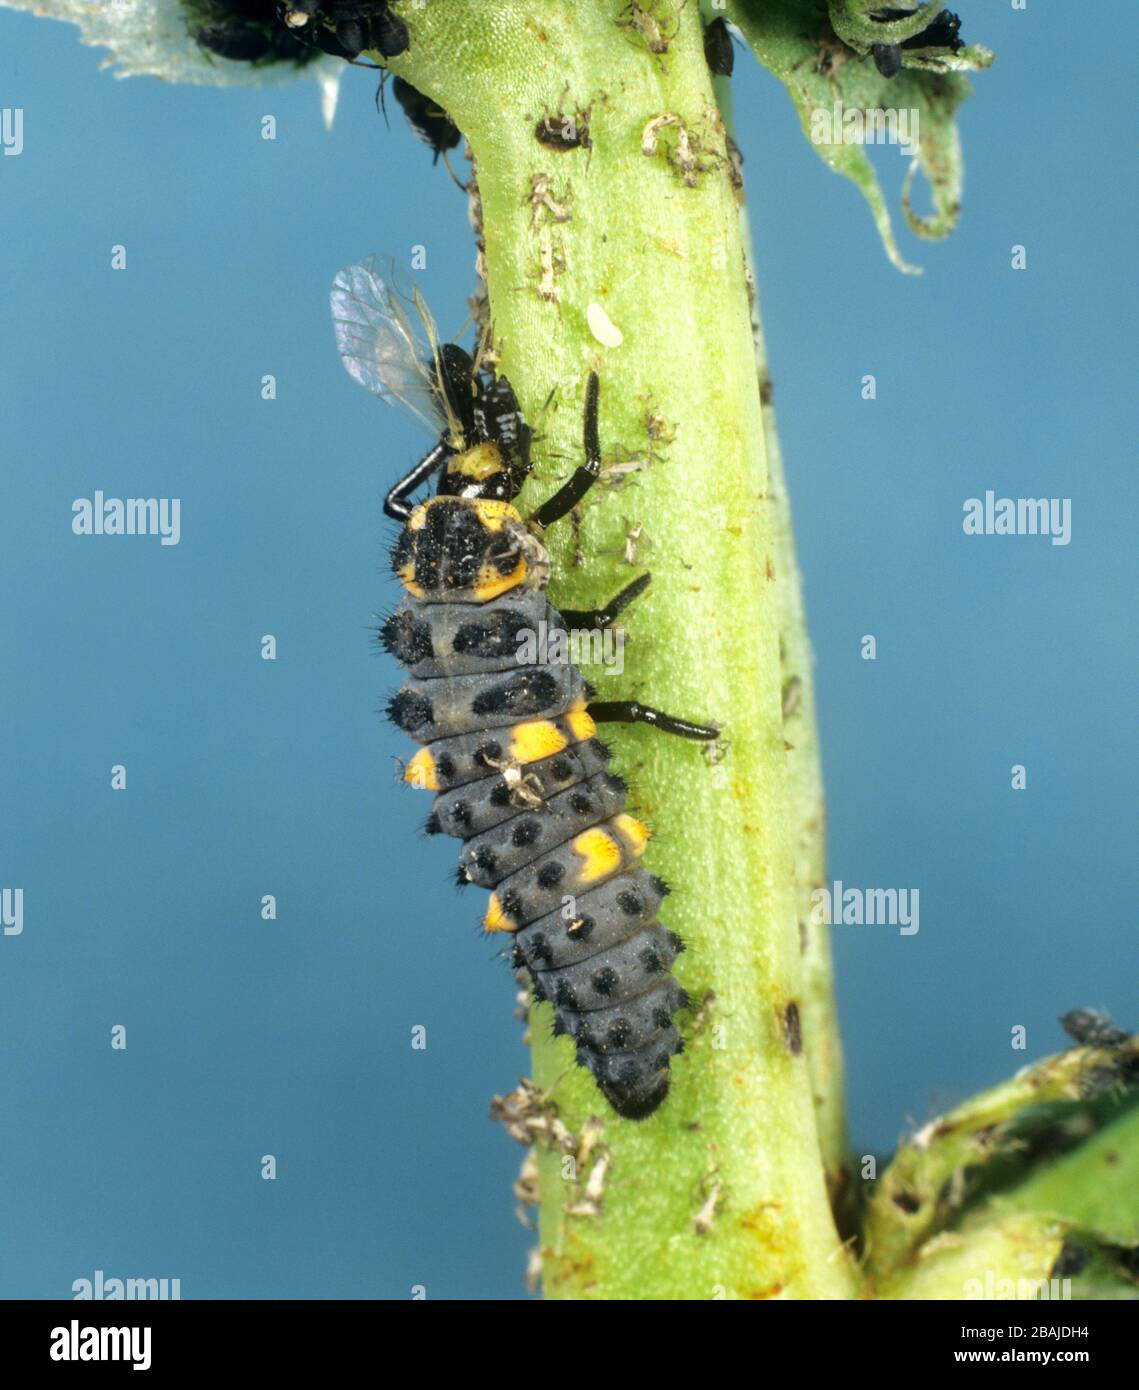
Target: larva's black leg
395	503
607	616
570	494
631	712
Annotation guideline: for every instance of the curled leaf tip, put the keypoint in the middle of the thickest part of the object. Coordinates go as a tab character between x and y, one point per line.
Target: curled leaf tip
863	79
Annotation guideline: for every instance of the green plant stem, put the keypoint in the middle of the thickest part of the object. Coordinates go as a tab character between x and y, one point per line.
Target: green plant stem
821	1040
721	1193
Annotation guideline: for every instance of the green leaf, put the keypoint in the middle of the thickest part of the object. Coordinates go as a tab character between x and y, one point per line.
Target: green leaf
1073	1220
992	1138
833	87
1010	1257
1096	1187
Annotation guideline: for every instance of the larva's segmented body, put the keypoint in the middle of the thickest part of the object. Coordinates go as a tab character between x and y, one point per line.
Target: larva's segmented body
521	778
509	744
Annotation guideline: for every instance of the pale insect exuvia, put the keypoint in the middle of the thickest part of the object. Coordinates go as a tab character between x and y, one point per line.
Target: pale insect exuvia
395	358
382	347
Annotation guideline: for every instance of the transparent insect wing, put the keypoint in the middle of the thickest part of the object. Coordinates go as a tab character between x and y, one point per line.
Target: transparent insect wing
379	345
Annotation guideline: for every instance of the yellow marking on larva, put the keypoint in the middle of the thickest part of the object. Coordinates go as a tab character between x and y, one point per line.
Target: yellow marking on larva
538	739
418	519
490	583
635	833
421	508
494	514
600	854
420	772
580	722
406	576
496	919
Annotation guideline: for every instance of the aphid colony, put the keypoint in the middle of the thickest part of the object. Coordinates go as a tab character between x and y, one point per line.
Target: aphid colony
345	28
509	749
941	35
263	31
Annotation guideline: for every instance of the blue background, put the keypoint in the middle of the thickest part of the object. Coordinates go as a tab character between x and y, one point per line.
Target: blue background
247	777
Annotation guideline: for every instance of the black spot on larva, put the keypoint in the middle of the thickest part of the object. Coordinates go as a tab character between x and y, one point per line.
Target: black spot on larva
651	961
561	769
581	929
618	1035
636	1105
449	547
792	1029
406	637
504	556
486	859
500	794
675	942
581	803
461	879
907	1202
496	636
540	995
564	995
661	887
431	825
471	637
403	550
461	814
540	949
559	1029
630	902
526	831
446	767
604	980
409	710
682	999
489	752
616	783
663	1059
550	875
511	904
603	751
628	1073
527	692
661	1017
